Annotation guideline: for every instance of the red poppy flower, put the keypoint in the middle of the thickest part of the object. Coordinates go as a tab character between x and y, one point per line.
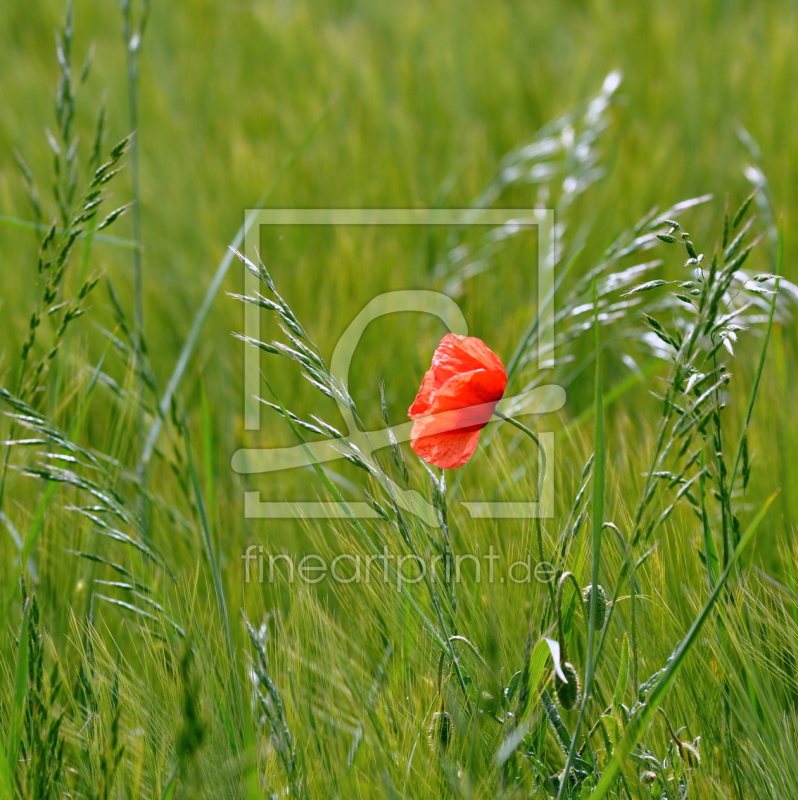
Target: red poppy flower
456	400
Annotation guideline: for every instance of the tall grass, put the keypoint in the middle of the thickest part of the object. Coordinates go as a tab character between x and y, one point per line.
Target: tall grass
657	660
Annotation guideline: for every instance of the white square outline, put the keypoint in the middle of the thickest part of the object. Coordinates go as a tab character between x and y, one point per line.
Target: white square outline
542	218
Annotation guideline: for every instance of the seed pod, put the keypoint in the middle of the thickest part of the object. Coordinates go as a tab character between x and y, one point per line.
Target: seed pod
567	693
601	604
648	777
441	731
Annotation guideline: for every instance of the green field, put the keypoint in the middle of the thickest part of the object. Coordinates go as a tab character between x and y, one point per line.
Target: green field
141	653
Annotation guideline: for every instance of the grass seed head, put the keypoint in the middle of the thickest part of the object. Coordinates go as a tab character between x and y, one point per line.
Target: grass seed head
601	604
688	752
567	693
440	732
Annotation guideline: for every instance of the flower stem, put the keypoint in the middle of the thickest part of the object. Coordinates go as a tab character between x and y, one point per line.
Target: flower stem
541	479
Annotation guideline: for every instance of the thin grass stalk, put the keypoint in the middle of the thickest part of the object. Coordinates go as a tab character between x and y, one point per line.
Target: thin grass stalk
541	480
132	36
762	357
214	563
640	723
597	514
218	278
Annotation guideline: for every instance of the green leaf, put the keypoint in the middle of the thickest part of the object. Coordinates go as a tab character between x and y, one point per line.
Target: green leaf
742	445
6	783
537	666
710	551
597	520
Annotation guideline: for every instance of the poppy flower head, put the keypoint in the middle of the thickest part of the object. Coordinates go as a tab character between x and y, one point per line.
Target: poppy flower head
456	400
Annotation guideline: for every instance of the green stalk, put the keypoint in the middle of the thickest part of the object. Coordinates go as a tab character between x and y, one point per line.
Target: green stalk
597	515
132	39
541	478
214	563
640	723
761	365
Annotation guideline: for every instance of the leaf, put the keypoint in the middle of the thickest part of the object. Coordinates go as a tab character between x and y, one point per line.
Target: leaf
6	783
554	649
509	692
597	520
537	666
760	365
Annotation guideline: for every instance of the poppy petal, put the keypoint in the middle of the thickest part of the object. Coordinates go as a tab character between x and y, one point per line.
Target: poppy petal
424	397
446	450
465	402
456	400
456	354
469	389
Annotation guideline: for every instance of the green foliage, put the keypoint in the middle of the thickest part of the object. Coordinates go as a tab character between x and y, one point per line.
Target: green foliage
129	664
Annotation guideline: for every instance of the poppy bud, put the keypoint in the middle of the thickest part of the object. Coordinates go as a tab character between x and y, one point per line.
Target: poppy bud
567	693
648	777
601	604
440	733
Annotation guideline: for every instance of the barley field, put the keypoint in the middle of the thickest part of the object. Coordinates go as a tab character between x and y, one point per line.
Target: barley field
249	551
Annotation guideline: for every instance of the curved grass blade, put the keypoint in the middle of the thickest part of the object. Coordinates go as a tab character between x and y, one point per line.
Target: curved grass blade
639	724
213	290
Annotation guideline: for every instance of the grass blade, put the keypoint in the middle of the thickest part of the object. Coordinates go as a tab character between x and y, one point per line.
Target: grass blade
623	674
761	365
211	552
213	290
20	688
6	784
597	514
640	723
